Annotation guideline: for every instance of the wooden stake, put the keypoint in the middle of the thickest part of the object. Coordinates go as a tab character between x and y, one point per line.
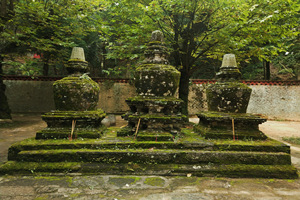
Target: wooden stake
233	129
73	127
137	128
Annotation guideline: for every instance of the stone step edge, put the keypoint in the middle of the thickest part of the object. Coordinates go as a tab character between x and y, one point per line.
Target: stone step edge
30	144
76	168
154	156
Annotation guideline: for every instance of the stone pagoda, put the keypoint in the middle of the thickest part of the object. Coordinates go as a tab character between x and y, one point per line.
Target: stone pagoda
76	98
155	114
227	101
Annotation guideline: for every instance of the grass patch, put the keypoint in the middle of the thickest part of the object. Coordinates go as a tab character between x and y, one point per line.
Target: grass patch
293	140
155	181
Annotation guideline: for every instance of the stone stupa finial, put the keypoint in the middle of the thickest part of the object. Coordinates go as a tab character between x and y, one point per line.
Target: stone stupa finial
77	64
229	70
156	52
157	36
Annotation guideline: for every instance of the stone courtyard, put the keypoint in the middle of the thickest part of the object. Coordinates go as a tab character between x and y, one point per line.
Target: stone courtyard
142	187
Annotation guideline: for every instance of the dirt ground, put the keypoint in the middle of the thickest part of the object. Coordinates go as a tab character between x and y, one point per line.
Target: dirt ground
120	187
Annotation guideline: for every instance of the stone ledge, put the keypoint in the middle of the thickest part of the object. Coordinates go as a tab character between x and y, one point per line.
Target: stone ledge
210	170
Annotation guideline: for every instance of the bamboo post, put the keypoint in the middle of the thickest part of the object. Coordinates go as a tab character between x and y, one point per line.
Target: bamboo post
73	127
233	129
137	128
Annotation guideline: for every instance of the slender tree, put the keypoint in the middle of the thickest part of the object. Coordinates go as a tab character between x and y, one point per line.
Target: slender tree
6	13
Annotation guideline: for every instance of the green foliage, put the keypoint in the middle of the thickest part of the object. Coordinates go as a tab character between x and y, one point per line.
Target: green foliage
27	68
253	70
49	28
288	62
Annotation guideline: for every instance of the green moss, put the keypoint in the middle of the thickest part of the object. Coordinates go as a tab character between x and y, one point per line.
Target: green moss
228	97
158	100
49	178
223	115
75	114
73	196
155	181
185	181
123	181
44	197
12	167
76	93
156	116
64	133
76	60
156	80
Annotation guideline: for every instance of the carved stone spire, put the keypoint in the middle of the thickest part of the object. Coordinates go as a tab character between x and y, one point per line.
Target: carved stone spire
229	70
156	52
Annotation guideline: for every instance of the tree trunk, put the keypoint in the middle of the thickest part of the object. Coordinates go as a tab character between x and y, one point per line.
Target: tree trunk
45	69
46	66
184	89
103	58
5	112
267	70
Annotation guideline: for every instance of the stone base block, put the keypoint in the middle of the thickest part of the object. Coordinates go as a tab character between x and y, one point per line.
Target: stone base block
218	125
83	119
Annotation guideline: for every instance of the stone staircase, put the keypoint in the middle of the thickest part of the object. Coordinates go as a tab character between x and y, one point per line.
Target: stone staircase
188	154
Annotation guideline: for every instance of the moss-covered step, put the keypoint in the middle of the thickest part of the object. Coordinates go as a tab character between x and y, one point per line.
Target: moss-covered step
268	145
63	133
154	156
154	136
81	119
189	140
251	171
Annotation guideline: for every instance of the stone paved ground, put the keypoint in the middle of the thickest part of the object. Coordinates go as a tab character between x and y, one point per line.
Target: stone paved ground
142	187
146	188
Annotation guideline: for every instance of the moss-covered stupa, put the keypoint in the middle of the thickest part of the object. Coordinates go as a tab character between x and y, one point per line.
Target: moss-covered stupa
227	102
76	98
155	114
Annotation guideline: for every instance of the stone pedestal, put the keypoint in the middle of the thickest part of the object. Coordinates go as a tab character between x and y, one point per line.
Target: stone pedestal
236	126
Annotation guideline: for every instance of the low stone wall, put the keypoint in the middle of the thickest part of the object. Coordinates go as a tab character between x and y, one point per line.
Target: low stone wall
37	96
29	96
281	102
274	101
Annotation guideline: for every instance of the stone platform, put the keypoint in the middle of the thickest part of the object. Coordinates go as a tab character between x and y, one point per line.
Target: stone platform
243	126
87	124
187	154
